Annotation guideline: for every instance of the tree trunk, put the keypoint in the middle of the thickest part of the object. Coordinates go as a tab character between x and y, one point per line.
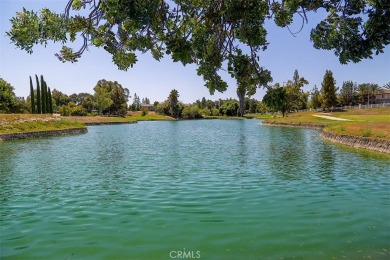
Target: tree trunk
241	100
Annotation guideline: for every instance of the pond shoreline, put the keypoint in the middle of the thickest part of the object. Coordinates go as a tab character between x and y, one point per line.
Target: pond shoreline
373	144
45	133
298	125
110	123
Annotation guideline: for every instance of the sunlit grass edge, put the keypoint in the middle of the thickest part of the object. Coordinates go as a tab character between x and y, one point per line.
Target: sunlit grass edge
10	124
370	123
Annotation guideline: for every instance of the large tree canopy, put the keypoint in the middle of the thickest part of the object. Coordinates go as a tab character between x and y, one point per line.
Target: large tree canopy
205	32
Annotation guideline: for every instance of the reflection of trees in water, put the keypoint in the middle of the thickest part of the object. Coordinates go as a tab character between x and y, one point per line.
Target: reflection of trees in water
326	163
111	148
242	144
288	155
29	168
172	146
7	165
294	155
104	157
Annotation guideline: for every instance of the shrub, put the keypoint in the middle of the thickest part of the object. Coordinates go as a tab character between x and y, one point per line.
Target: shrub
72	110
144	112
122	112
93	114
78	111
205	111
380	135
367	132
215	112
229	108
191	112
64	110
163	108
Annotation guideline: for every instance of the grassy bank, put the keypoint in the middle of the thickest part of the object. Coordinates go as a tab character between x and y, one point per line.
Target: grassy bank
150	116
258	116
131	117
222	117
19	123
373	123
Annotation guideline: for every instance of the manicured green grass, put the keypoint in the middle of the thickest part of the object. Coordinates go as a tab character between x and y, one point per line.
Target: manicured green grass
260	116
150	116
131	117
373	123
97	119
18	123
222	117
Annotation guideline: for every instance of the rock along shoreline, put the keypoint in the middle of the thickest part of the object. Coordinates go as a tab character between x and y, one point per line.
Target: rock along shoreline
373	144
299	125
48	133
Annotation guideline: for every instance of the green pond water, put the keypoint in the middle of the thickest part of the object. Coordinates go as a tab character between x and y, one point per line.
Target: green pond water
208	189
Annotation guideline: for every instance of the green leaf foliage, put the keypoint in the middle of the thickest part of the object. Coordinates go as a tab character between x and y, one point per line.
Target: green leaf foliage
276	99
111	98
210	34
229	108
7	97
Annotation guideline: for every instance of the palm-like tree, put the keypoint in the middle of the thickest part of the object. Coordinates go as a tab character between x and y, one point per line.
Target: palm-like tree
367	92
385	87
372	90
173	106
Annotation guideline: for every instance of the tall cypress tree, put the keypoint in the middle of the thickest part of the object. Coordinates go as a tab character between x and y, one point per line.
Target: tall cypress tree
46	99
39	106
32	98
43	95
50	101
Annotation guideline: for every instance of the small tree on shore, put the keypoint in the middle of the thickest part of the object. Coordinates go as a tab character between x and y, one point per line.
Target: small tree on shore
276	99
102	97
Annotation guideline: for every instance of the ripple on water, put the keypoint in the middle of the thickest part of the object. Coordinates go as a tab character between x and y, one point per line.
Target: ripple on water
229	189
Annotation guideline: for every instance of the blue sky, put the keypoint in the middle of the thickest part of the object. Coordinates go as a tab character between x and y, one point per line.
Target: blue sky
153	79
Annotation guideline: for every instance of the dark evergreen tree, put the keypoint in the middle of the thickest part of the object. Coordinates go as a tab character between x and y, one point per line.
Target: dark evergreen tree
43	95
136	103
32	100
296	77
173	103
348	93
50	101
39	106
47	98
315	98
328	90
